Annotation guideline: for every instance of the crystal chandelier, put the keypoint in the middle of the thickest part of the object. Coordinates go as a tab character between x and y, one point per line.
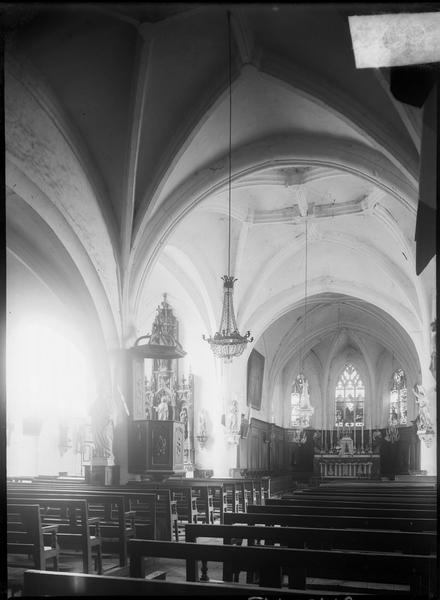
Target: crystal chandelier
227	342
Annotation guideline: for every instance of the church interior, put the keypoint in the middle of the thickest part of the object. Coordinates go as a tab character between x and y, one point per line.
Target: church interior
221	304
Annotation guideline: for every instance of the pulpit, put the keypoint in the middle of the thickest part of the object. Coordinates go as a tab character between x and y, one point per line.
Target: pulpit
156	447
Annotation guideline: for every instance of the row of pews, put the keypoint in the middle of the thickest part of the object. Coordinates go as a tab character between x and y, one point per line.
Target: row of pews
363	540
51	516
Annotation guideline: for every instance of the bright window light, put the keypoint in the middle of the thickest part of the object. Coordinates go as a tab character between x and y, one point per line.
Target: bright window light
47	375
391	40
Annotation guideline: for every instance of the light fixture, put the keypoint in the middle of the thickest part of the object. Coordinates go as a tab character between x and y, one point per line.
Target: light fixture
227	342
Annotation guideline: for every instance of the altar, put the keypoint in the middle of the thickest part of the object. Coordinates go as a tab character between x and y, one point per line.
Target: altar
348	466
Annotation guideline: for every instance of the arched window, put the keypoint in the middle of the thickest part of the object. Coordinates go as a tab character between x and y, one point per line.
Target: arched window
349	399
398	399
300	409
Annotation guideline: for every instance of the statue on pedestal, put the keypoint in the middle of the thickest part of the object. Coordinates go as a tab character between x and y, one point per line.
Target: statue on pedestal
425	422
103	422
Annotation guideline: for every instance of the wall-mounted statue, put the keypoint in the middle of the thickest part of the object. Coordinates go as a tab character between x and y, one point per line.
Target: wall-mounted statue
425	422
433	365
103	423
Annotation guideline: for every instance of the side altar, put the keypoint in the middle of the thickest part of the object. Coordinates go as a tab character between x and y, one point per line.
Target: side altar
346	463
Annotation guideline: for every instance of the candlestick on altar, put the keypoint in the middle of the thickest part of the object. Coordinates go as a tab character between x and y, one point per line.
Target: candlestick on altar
362	437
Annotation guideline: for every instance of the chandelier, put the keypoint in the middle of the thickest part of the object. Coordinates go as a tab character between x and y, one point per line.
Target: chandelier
227	342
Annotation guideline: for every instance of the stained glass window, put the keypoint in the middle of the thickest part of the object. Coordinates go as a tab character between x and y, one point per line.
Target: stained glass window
398	399
349	398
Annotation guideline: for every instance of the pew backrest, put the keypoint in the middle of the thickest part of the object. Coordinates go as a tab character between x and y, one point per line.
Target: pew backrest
300	537
331	521
42	583
271	563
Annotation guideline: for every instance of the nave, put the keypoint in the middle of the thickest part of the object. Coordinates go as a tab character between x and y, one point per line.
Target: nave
221	299
238	539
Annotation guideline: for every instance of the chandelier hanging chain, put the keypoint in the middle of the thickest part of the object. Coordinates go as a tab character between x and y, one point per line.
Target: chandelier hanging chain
302	346
305	290
227	342
230	142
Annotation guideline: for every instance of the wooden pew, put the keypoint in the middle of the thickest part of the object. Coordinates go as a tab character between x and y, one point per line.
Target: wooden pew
357	501
117	524
156	514
105	498
417	571
364	510
195	500
74	527
319	538
26	535
328	521
372	488
42	583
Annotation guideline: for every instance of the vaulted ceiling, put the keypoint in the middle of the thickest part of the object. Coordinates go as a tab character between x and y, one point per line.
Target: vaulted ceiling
117	161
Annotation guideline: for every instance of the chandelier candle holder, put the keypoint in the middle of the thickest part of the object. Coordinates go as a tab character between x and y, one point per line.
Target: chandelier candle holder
228	342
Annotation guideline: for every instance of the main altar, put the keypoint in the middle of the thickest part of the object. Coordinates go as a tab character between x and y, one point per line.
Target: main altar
347	463
355	466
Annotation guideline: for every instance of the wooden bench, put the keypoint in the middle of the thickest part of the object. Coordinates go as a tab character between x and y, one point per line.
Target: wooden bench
104	496
26	535
336	510
74	527
117	524
329	521
371	488
372	502
193	502
42	583
319	538
270	564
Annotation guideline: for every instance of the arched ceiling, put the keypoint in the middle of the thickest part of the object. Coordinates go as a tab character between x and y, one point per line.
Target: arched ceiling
137	95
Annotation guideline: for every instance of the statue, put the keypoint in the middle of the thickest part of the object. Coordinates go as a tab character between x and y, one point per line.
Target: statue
317	438
305	395
433	364
425	423
183	418
392	434
103	425
202	430
162	410
233	425
377	440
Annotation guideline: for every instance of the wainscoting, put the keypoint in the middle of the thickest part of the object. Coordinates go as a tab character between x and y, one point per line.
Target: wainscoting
268	449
